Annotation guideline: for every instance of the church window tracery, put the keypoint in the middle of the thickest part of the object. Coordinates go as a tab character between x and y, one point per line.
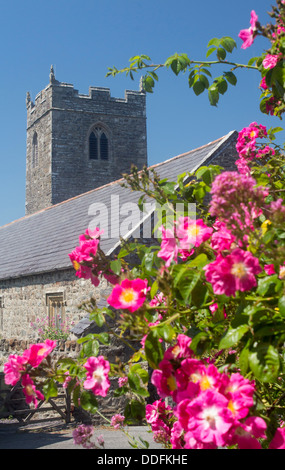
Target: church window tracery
98	144
35	153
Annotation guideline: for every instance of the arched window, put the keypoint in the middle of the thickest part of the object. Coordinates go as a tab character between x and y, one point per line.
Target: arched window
35	157
93	147
98	144
103	147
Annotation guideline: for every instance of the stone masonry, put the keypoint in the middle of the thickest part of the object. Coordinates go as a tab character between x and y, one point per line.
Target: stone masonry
24	301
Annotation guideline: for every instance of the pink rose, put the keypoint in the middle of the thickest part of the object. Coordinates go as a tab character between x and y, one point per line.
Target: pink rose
234	272
247	35
168	248
13	369
38	352
32	395
97	378
130	294
270	61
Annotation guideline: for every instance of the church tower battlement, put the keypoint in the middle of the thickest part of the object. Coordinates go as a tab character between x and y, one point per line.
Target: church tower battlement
78	142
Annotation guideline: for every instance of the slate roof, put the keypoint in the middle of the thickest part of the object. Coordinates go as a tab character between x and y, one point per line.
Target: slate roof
40	242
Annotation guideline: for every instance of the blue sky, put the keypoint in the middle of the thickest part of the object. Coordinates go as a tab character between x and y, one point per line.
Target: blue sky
82	39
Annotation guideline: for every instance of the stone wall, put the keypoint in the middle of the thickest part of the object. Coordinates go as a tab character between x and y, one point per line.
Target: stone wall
39	176
69	348
227	155
24	300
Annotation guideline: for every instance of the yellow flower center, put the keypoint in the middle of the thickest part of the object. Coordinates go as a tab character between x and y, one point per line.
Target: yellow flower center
97	375
176	350
42	351
282	272
171	383
76	265
252	134
205	383
195	377
231	407
193	230
239	270
29	390
128	296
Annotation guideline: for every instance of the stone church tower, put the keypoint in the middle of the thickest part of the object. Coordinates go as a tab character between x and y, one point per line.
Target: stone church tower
77	142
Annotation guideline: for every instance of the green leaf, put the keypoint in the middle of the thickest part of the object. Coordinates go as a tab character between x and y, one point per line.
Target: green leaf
252	60
143	373
281	305
243	361
154	289
204	70
222	86
264	363
230	77
50	389
199	342
205	174
233	336
228	43
186	286
221	53
145	57
119	392
165	332
134	381
98	317
198	87
214	42
269	330
272	131
91	348
210	51
148	83
62	363
88	401
277	79
268	236
154	75
145	443
116	266
135	410
204	80
199	294
200	191
262	105
268	285
199	262
213	95
178	62
148	261
179	272
153	350
104	338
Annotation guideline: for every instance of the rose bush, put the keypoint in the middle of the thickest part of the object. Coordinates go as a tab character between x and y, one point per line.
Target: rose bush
206	306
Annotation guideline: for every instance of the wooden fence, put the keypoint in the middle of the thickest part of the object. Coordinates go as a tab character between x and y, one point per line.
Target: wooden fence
13	405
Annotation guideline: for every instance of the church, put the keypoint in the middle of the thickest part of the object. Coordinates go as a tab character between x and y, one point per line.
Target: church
78	147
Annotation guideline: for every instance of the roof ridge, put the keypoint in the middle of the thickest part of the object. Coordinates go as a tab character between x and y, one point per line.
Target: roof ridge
190	151
220	139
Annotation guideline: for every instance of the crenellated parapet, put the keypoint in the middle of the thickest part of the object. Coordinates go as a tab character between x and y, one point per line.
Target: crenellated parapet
60	95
